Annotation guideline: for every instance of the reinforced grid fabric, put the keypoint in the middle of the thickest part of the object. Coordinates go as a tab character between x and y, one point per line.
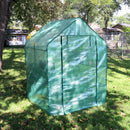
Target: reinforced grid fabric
66	64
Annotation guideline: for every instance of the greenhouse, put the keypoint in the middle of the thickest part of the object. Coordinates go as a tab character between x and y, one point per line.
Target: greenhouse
66	64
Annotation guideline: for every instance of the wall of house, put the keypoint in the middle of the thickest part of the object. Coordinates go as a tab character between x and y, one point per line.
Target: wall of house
16	39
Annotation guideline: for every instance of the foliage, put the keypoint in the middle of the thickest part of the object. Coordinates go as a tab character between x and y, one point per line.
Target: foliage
127	34
17	112
32	12
84	9
106	11
91	10
104	2
122	19
14	23
126	29
126	2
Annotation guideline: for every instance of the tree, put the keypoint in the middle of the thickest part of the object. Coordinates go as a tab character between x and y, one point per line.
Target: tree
106	11
90	9
83	8
122	19
126	2
30	12
5	8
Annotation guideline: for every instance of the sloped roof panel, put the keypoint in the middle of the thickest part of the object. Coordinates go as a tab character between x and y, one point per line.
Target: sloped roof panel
73	26
49	32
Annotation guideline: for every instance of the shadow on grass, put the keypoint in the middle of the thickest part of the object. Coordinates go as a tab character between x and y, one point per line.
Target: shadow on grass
13	90
13	78
113	64
93	118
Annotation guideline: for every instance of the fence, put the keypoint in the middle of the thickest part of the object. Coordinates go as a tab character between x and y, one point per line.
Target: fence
118	44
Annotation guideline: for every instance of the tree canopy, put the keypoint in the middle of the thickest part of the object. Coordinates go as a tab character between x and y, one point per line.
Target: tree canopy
122	19
89	10
31	12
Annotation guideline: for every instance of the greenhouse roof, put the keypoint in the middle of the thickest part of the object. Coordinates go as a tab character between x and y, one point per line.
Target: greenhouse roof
56	28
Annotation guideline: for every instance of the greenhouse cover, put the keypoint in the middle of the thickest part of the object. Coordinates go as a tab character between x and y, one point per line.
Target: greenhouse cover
66	63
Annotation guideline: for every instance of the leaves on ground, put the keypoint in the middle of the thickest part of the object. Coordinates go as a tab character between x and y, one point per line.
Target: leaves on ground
18	113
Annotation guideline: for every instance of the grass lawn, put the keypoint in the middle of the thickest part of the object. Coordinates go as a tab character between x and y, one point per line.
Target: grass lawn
17	112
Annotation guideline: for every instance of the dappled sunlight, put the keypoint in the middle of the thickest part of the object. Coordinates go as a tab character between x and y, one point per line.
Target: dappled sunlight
13	78
118	75
17	112
18	107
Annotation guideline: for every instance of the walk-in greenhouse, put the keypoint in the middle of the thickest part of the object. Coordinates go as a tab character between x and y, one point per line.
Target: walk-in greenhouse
66	63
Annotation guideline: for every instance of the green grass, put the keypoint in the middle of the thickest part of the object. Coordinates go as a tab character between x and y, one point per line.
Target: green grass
17	112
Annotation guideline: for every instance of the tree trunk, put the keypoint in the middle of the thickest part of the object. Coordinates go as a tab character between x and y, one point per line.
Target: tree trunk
87	12
4	18
106	24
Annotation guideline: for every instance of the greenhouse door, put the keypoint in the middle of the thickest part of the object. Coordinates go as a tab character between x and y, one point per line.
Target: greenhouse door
78	60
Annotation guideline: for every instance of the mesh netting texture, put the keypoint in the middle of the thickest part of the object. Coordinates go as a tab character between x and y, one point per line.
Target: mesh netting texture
66	64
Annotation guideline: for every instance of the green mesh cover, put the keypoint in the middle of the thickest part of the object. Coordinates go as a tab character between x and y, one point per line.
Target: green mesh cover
66	64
